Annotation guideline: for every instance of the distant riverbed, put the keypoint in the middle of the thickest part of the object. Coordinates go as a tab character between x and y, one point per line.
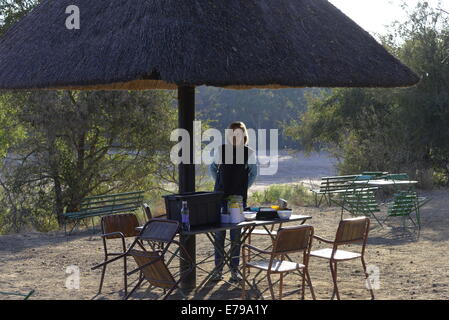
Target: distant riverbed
298	167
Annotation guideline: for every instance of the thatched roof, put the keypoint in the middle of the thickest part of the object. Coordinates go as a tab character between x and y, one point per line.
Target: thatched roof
138	44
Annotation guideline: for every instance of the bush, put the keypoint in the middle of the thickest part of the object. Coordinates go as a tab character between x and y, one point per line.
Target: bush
295	194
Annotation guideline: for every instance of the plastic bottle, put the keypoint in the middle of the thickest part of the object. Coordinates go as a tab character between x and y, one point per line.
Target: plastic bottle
185	218
225	216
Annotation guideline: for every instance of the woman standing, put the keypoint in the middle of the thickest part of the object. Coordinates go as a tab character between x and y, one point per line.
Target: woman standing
234	171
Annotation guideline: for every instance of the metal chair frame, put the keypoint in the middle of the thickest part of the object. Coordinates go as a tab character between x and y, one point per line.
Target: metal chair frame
303	245
121	232
345	236
155	235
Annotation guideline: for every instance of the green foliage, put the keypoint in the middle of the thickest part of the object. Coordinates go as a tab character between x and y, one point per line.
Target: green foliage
76	144
10	131
13	10
396	130
259	109
296	194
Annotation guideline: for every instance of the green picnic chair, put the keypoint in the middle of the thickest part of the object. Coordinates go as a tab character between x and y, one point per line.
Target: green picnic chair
406	203
360	201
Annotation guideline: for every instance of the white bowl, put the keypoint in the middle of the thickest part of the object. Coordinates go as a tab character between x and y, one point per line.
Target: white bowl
285	214
250	215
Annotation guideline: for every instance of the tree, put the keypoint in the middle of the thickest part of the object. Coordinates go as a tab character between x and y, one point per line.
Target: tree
82	143
390	129
259	109
12	10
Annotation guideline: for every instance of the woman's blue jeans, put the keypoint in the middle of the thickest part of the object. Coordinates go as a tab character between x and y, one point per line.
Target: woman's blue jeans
220	242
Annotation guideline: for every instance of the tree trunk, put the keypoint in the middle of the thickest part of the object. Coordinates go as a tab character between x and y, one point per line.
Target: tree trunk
58	207
78	189
59	202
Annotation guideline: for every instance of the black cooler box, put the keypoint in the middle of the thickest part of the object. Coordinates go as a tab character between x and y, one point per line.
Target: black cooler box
204	207
267	214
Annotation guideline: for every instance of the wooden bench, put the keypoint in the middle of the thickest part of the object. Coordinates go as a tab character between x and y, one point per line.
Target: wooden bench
103	205
336	185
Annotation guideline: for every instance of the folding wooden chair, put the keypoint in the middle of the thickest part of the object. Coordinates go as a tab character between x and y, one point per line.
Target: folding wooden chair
119	226
288	241
350	231
151	264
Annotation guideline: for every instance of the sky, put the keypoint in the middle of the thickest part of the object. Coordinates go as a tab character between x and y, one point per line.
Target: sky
374	15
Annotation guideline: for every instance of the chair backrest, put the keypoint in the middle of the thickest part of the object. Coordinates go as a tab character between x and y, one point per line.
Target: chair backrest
147	211
293	239
404	203
113	203
352	231
156	273
362	202
335	184
125	223
159	230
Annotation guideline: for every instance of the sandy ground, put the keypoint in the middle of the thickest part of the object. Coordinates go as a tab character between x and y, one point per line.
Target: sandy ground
410	266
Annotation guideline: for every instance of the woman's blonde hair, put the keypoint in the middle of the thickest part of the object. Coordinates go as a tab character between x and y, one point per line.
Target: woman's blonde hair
240	125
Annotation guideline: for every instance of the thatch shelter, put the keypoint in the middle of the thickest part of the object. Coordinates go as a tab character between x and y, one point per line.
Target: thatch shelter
154	44
141	44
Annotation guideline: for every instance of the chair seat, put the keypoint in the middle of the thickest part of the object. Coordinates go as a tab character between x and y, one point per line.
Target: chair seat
262	232
277	266
339	254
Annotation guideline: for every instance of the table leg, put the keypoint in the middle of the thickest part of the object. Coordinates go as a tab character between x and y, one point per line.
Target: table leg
227	255
189	243
226	261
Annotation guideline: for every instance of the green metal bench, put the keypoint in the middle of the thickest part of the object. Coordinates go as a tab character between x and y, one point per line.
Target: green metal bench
404	204
103	205
336	185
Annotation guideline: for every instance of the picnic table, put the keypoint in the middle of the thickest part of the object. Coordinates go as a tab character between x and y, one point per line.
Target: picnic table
337	185
246	226
365	203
